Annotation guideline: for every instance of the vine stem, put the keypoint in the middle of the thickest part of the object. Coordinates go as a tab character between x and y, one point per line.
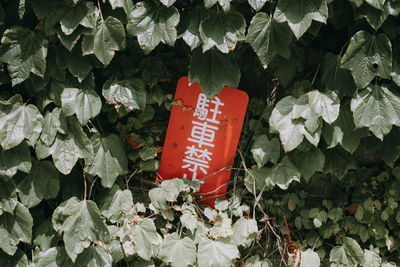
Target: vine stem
85	185
101	14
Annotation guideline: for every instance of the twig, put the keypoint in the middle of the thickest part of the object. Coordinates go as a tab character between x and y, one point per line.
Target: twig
101	14
91	187
85	185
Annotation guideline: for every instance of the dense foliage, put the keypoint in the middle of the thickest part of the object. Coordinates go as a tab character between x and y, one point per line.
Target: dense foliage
86	90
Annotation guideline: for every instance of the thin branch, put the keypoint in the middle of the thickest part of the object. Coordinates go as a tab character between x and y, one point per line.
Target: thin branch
101	14
85	185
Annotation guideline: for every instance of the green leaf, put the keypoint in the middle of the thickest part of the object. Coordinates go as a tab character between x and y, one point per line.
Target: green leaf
125	95
284	173
153	24
338	162
81	223
109	160
343	132
167	3
371	258
51	125
85	103
19	121
216	253
225	4
94	256
54	257
264	150
254	261
244	230
19	259
374	16
324	104
41	183
213	70
25	52
377	108
178	252
110	37
74	16
257	4
192	33
379	4
78	65
15	159
45	236
169	191
222	30
309	258
15	228
147	153
396	62
368	56
116	203
353	250
268	38
8	197
144	236
299	14
309	162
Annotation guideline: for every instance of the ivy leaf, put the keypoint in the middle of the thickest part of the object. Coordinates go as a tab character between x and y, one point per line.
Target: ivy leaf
244	230
338	162
41	183
8	197
19	121
25	52
353	250
153	24
213	70
78	65
54	257
222	30
265	150
116	203
178	252
192	34
299	14
374	16
284	173
216	253
379	4
125	95
396	62
377	108
51	125
371	258
257	4
309	162
309	258
74	16
81	223
145	235
225	4
15	159
336	78
109	159
167	3
85	103
343	132
125	4
110	37
15	228
324	104
368	56
45	236
94	256
268	38
290	133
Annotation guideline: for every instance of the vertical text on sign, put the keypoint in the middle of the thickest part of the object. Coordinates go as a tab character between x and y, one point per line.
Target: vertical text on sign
204	128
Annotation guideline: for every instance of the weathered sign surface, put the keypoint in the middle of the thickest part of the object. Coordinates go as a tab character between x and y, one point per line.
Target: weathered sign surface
202	137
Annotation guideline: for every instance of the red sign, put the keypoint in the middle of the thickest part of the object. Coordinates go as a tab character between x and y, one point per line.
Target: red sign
202	137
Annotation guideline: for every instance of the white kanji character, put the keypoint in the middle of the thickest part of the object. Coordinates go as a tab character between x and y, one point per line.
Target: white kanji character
202	134
198	153
201	111
217	103
193	164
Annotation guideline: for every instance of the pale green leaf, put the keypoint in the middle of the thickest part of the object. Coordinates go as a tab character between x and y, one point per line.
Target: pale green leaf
379	4
19	121
353	250
192	34
268	38
41	183
15	159
94	256
299	14
125	95
324	104
309	258
153	24
222	30
368	56
144	236
244	231
257	4
213	70
109	160
15	228
374	16
371	258
51	125
178	252
81	223
254	261
85	103
110	37
19	259
225	4
54	257
265	150
45	235
8	197
377	108
25	52
116	203
216	253
167	3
